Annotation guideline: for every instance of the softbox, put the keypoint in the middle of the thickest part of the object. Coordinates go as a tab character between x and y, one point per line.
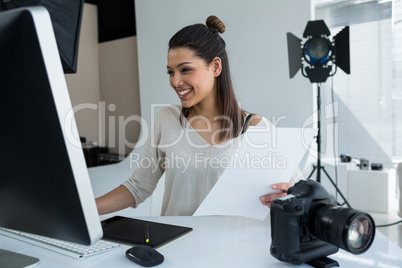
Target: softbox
66	19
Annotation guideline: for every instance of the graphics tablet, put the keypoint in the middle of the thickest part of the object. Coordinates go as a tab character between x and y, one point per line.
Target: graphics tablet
135	232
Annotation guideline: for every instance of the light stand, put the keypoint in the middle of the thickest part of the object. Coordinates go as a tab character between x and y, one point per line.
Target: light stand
319	54
319	167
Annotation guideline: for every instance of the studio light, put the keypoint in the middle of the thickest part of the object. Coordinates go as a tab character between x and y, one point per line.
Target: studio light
307	226
319	56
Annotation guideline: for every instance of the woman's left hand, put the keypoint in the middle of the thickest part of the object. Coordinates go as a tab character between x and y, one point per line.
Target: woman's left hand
267	199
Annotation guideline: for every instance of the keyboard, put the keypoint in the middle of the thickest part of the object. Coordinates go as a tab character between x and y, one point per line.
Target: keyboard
67	248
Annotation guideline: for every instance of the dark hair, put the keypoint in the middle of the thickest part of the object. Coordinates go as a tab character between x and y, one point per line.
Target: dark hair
206	43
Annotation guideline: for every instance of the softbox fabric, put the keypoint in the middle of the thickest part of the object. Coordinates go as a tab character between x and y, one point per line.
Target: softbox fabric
66	18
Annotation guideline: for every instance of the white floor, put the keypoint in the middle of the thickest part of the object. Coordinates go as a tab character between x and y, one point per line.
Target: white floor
394	232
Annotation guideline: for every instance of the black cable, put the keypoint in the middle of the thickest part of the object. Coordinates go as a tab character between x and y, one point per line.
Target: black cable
390	224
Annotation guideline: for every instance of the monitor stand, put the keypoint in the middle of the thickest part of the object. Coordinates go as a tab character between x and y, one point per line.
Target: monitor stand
9	259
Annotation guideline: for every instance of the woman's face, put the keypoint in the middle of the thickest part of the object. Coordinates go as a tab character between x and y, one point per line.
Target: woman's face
192	78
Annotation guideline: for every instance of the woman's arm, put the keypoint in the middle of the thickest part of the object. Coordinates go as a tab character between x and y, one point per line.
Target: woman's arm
117	199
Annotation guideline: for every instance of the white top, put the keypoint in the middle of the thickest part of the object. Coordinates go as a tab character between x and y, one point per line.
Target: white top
192	165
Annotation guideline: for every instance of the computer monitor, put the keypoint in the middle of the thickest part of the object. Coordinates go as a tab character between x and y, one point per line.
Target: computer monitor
44	182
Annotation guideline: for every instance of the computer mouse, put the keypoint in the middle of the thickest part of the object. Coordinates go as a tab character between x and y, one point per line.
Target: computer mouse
144	256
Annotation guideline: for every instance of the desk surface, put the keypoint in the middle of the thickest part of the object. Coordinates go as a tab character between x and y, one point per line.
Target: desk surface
217	241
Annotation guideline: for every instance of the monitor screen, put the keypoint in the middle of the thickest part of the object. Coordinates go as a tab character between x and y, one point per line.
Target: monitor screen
44	183
66	16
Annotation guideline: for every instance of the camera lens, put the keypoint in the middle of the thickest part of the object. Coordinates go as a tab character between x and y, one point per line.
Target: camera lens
359	234
346	228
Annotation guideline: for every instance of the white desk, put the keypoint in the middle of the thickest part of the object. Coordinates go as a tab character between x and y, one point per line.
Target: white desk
218	241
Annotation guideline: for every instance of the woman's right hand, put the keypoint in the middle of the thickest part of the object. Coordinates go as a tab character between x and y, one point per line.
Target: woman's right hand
267	199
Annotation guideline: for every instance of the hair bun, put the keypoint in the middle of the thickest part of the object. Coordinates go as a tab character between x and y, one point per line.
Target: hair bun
215	22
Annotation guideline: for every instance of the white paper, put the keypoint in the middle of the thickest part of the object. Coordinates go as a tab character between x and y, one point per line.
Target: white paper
254	169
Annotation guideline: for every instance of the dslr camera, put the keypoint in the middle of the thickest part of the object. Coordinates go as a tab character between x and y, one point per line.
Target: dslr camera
307	225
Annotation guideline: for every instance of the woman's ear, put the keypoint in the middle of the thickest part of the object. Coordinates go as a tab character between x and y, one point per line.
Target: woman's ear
216	66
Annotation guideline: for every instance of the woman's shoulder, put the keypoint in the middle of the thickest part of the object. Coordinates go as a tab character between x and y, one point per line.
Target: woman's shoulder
259	121
168	119
255	120
170	111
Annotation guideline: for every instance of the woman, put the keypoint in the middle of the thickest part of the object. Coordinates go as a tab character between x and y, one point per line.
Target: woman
188	139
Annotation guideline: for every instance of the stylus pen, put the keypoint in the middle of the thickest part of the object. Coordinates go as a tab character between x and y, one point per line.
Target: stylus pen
146	232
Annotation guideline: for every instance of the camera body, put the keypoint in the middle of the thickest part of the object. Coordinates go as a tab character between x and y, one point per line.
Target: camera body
307	225
364	164
345	158
376	166
294	221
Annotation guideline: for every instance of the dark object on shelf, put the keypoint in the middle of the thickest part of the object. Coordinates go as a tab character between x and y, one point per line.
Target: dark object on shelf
107	159
91	153
364	164
376	166
345	158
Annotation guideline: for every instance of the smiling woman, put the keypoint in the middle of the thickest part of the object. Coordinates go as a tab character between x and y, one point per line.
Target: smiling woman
203	133
204	44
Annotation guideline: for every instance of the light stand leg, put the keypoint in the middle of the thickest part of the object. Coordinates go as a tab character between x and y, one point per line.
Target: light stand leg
319	167
312	172
336	187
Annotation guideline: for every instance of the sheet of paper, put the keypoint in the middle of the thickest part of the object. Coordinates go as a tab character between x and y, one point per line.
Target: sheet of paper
262	159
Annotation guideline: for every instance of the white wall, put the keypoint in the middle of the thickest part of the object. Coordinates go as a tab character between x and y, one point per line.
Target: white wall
119	89
257	49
